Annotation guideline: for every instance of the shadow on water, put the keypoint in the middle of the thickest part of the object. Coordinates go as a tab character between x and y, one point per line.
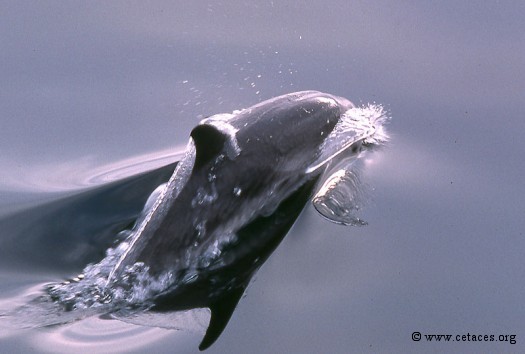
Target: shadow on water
66	234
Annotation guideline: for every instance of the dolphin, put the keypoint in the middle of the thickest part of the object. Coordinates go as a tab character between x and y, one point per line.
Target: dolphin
243	181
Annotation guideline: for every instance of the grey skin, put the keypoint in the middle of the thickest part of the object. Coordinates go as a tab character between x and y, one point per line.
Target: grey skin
245	180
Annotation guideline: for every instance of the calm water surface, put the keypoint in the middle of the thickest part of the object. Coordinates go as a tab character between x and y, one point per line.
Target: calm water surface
93	95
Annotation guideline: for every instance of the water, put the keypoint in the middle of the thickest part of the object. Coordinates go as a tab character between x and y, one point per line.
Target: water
86	86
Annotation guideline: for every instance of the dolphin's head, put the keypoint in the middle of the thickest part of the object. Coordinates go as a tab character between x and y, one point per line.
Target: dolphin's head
301	134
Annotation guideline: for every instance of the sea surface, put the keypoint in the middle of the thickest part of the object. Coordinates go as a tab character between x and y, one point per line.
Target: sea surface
97	100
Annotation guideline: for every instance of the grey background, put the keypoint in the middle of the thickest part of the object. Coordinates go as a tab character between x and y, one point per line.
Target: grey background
87	83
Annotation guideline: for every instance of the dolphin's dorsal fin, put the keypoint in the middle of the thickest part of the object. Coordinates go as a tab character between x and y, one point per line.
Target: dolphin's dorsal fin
221	312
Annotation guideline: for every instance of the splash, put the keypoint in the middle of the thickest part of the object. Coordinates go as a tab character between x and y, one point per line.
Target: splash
363	125
342	191
88	294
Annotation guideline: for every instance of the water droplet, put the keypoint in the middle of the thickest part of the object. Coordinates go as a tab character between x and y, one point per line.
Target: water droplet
237	191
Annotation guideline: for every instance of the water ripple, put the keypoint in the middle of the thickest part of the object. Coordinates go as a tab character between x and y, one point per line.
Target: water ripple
80	173
97	335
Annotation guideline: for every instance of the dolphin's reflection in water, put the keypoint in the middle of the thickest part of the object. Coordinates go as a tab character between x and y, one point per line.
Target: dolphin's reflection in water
242	183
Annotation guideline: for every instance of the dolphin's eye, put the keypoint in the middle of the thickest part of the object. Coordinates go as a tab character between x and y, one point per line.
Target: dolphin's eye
356	148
